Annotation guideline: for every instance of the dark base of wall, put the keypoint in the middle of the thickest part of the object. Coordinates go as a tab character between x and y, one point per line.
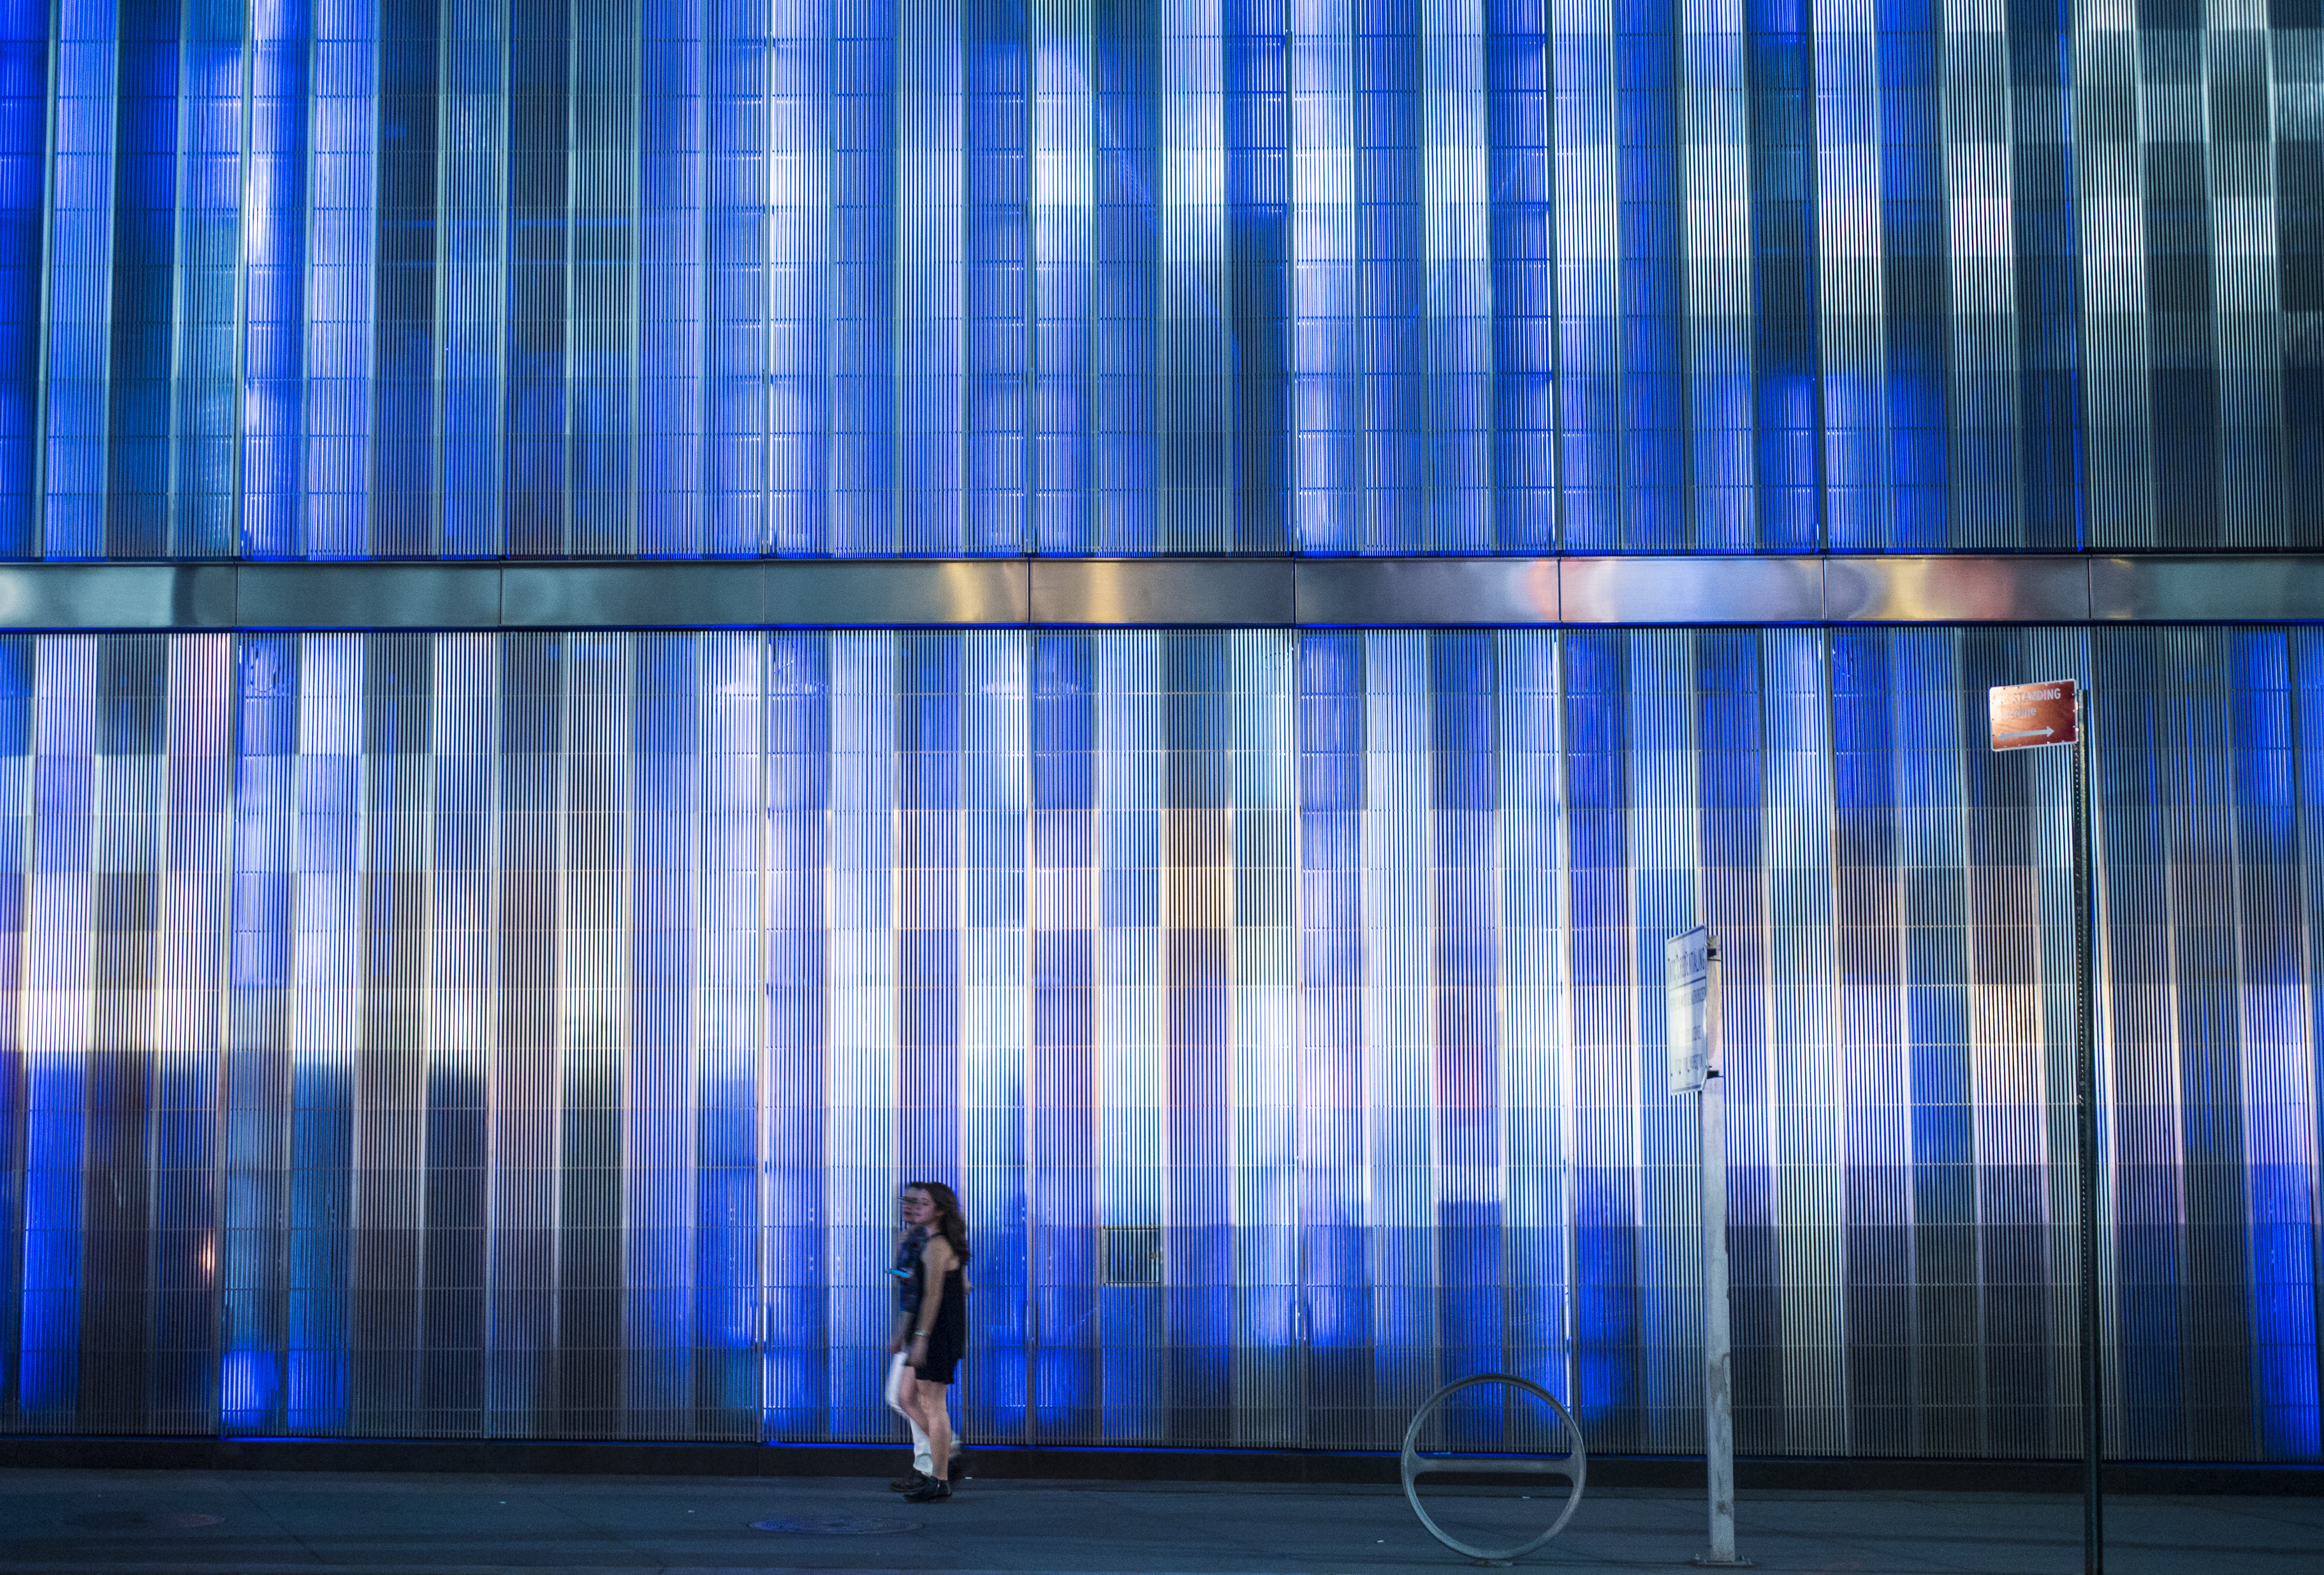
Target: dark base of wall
1099	1465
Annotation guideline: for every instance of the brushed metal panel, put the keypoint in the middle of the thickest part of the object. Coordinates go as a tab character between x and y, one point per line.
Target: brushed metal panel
116	596
631	595
1434	592
1691	590
202	595
1329	982
1156	591
1944	589
1409	592
2224	590
367	596
904	592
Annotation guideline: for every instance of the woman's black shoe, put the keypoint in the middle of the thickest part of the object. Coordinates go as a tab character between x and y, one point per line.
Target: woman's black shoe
911	1484
930	1491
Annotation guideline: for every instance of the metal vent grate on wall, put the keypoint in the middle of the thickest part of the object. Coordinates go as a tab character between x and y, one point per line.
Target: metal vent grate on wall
1133	1255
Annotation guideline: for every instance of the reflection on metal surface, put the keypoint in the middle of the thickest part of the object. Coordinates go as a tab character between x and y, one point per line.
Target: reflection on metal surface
2248	589
123	596
1157	593
701	596
1956	591
870	279
905	592
1421	592
1692	591
1163	591
522	1035
366	596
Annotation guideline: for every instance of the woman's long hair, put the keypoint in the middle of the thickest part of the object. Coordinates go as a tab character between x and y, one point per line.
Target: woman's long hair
948	1223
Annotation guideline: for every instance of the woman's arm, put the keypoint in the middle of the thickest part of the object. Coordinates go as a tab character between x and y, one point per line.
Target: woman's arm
935	1258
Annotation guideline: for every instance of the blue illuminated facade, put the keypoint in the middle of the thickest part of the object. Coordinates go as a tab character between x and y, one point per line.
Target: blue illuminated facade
522	1036
513	1033
332	279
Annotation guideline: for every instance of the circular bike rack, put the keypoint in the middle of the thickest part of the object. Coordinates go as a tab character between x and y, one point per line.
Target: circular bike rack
1573	1465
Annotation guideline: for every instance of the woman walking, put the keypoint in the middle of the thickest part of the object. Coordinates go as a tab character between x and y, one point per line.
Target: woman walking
914	1211
935	1337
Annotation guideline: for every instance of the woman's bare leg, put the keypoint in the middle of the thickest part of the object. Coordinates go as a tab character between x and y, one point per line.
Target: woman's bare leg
902	1384
915	1406
935	1419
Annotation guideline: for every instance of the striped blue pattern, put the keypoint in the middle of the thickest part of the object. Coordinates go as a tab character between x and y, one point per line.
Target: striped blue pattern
520	1036
418	279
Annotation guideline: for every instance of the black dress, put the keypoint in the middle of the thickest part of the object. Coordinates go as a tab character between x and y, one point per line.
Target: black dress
948	1337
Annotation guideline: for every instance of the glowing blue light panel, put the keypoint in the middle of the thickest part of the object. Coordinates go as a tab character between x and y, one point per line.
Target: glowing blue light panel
333	279
520	1036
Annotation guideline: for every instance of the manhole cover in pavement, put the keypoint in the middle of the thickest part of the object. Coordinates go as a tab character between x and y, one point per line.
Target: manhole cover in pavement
836	1525
140	1520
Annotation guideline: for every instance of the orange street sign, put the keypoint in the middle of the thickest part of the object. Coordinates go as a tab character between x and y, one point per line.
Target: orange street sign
2032	715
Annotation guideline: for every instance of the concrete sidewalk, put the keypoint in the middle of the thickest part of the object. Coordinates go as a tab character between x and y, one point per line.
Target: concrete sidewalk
92	1522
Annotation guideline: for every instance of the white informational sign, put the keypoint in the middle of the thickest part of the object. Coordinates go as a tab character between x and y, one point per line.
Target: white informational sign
1691	977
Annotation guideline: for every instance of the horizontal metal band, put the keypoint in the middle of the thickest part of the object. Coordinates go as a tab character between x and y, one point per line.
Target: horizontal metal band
1122	592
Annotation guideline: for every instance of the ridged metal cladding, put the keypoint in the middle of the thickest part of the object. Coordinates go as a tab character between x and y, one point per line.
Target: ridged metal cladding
522	1036
533	279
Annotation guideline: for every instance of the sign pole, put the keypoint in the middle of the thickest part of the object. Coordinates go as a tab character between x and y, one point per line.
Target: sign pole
2086	1135
2040	716
1691	976
1718	1369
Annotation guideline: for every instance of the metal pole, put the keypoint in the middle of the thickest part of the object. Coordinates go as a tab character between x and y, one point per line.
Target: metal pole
1718	1409
2086	1133
1718	1368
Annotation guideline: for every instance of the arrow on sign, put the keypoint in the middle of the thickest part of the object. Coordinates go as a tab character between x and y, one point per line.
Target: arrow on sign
2032	716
